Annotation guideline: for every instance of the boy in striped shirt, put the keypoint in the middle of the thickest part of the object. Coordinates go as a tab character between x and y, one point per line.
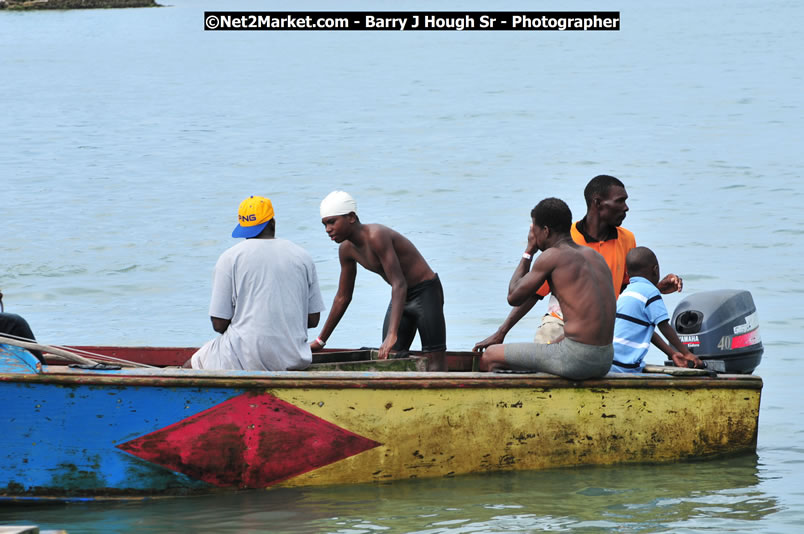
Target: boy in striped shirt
640	309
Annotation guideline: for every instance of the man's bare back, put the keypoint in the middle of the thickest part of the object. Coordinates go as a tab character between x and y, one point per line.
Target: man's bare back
581	280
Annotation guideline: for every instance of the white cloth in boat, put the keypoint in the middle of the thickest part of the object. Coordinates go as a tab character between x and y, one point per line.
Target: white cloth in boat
266	287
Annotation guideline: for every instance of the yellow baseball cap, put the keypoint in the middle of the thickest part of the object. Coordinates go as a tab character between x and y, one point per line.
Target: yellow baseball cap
253	215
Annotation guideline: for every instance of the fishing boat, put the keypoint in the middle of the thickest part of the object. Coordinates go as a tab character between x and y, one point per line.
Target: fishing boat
136	426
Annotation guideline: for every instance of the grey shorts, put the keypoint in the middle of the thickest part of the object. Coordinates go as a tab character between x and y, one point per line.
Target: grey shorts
567	358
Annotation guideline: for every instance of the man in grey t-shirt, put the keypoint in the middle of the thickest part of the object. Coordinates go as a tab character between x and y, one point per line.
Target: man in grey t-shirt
265	296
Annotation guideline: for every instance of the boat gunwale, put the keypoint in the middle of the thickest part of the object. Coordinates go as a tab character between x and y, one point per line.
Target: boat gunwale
372	380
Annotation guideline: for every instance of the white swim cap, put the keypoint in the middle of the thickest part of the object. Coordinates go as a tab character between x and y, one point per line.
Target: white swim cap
338	203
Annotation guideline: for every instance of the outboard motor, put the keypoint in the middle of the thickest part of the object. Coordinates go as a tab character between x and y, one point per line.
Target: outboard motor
720	326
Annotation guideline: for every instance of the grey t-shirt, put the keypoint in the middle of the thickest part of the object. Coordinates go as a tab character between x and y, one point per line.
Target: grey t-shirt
266	287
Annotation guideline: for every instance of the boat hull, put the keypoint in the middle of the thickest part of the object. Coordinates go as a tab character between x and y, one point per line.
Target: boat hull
71	433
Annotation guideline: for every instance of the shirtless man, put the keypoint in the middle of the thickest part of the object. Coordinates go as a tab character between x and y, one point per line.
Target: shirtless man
581	280
600	230
417	298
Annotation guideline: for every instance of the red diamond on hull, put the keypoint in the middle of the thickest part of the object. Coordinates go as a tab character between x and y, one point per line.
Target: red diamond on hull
249	441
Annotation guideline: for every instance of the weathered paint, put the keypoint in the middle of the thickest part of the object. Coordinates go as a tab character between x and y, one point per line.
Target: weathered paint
476	430
143	432
253	440
62	438
18	360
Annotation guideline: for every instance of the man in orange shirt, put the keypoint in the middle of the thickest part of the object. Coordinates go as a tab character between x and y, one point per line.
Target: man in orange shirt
600	230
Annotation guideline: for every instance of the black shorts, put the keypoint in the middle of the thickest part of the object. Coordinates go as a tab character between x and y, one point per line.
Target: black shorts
424	311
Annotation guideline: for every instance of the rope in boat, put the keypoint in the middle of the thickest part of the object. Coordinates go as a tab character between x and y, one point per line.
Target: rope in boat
71	354
105	357
64	353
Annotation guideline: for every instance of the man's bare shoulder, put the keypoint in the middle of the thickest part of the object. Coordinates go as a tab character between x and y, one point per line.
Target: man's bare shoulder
568	254
377	229
549	254
591	255
589	252
563	250
347	250
378	235
552	257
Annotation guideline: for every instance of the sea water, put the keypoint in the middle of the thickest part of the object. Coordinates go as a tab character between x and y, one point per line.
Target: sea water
130	136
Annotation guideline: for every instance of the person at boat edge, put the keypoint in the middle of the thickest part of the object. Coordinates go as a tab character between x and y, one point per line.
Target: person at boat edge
581	279
600	229
417	297
265	295
640	309
15	326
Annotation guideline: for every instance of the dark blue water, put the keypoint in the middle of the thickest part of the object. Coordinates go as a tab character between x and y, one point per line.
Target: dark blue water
130	137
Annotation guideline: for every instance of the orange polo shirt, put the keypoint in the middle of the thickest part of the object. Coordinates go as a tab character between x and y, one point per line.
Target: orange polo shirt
613	249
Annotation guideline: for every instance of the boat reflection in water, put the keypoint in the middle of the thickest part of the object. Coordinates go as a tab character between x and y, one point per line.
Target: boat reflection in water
716	495
701	494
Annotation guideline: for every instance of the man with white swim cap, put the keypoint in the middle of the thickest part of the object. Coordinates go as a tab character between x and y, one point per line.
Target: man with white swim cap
338	203
417	298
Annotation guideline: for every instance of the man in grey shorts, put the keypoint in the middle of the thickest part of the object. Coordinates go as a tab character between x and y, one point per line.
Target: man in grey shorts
581	280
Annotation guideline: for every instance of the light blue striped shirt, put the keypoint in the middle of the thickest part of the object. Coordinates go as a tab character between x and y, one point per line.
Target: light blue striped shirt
639	309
